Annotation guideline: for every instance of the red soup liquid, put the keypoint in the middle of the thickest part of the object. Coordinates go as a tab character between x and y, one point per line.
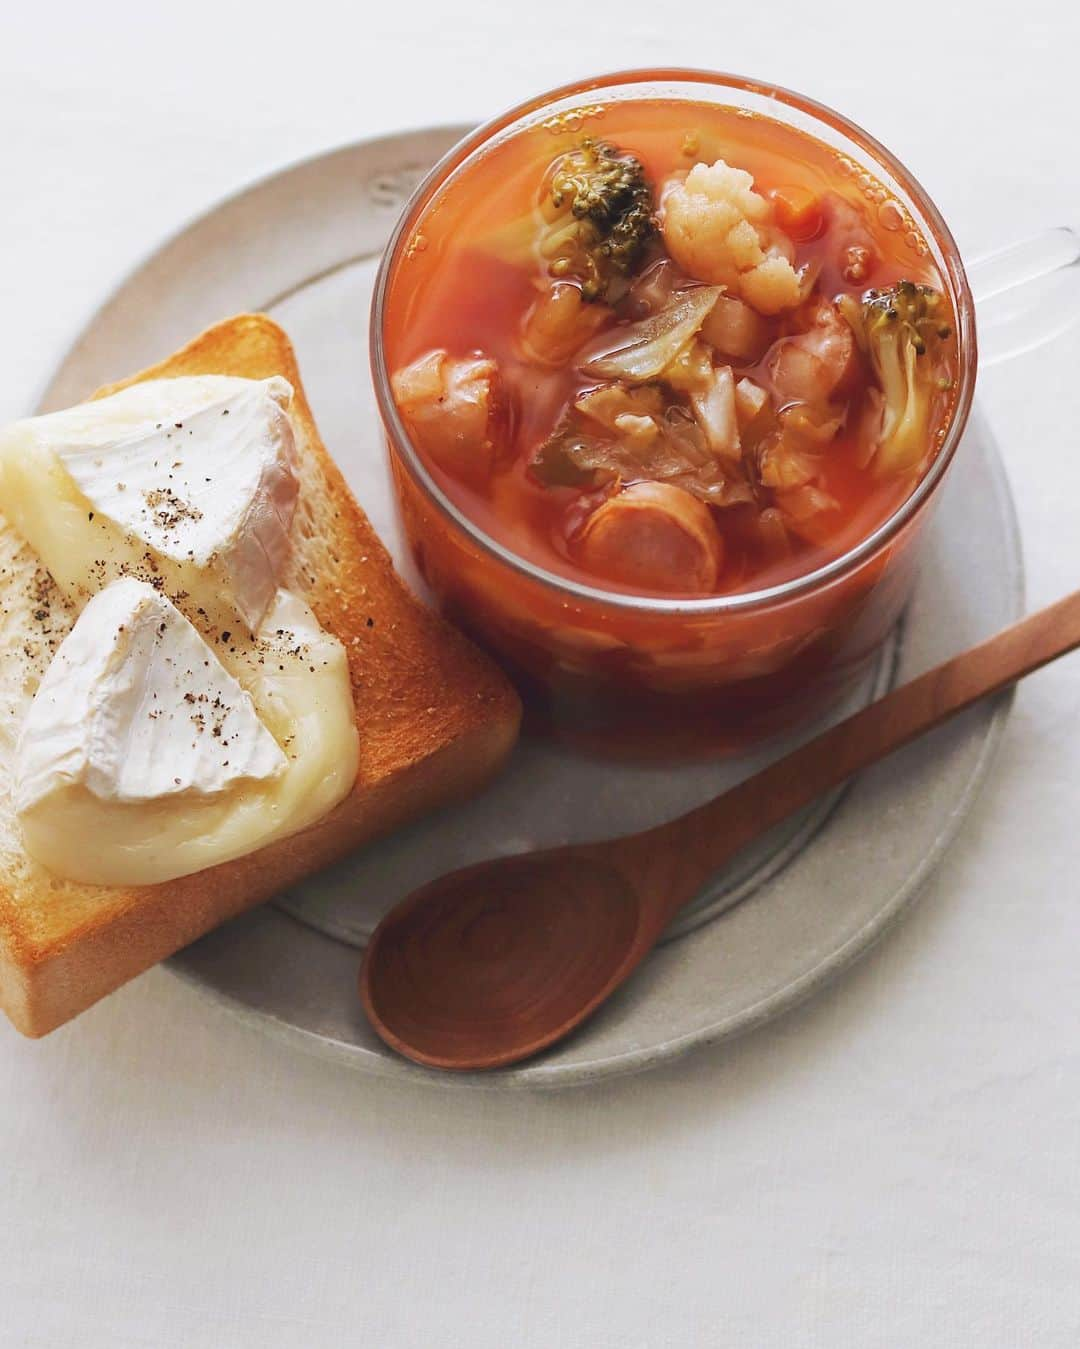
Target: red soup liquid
670	351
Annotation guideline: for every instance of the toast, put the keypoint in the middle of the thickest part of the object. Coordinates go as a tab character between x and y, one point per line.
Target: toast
436	718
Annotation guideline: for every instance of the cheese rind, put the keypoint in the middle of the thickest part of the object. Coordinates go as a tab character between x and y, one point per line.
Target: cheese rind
297	677
195	712
137	707
191	481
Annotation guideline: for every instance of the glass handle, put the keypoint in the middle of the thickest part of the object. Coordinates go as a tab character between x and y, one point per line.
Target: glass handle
1026	294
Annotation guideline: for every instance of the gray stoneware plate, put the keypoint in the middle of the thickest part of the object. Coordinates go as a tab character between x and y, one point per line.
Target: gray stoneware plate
796	910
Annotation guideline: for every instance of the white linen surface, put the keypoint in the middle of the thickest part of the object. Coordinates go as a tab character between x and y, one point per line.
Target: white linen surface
897	1164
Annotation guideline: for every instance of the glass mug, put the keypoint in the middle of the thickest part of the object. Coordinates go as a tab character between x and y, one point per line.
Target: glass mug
621	672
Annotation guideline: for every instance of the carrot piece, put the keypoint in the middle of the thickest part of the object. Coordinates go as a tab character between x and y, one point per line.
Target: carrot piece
798	211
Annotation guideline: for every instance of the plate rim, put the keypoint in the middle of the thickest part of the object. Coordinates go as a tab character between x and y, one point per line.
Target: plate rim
151	252
540	1075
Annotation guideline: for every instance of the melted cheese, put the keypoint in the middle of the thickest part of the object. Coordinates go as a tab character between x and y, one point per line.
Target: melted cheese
183	488
137	707
87	818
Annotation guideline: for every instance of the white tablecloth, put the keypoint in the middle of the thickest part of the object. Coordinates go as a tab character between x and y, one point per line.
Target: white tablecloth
897	1164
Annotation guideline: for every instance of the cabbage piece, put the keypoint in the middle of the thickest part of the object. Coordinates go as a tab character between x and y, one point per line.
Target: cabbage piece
691	371
639	352
611	401
783	465
791	455
578	455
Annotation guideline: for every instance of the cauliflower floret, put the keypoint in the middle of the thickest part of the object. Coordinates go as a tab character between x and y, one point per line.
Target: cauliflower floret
719	230
744	246
448	403
771	286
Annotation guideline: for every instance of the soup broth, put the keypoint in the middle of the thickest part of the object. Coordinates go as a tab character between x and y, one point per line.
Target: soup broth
721	374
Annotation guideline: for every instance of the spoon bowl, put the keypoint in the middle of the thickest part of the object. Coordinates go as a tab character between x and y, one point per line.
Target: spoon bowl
510	953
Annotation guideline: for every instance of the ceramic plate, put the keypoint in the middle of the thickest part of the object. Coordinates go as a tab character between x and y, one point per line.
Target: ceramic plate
791	913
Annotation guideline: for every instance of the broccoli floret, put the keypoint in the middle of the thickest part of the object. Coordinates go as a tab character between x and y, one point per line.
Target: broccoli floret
904	328
604	217
719	230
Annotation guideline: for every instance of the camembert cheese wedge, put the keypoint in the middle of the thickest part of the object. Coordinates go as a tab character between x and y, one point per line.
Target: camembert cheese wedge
167	737
192	480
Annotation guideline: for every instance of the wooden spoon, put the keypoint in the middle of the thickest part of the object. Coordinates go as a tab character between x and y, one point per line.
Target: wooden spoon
493	963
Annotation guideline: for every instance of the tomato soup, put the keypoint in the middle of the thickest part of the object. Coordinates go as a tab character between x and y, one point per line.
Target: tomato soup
771	416
668	350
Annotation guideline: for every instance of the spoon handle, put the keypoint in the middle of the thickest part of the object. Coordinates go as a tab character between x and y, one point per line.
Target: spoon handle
691	848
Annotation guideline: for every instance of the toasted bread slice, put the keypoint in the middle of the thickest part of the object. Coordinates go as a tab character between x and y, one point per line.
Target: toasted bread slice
436	718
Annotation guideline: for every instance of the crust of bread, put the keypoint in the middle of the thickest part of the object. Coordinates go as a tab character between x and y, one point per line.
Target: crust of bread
436	719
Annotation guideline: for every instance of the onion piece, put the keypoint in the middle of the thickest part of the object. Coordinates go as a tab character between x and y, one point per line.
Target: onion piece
736	330
559	323
714	409
653	289
643	349
750	400
449	404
